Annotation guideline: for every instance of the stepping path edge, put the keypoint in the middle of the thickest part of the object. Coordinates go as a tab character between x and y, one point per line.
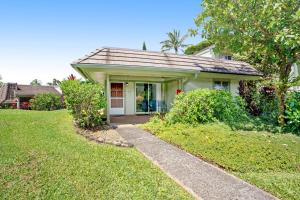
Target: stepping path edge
203	180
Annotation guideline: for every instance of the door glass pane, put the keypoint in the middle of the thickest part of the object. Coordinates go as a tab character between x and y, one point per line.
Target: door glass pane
152	97
141	97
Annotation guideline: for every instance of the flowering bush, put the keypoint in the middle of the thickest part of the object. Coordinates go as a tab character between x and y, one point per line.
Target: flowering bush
86	101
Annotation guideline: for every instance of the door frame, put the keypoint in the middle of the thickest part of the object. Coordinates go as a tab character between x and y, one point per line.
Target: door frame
156	99
111	111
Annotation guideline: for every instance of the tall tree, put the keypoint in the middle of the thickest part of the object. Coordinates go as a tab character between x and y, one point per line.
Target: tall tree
144	46
264	32
174	42
36	82
0	80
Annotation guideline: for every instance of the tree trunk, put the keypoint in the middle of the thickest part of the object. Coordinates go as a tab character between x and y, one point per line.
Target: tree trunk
281	94
282	91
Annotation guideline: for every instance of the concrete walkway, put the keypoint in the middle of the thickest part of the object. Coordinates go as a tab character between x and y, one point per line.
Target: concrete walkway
201	179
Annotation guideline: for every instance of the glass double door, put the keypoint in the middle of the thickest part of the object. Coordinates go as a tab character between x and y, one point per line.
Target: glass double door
146	97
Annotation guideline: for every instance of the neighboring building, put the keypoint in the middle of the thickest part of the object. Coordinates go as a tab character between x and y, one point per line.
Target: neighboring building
141	82
209	53
18	96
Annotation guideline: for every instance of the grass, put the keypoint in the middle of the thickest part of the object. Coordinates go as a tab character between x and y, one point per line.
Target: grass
41	157
270	161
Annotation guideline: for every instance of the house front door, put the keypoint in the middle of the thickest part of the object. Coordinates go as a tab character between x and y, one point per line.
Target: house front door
117	98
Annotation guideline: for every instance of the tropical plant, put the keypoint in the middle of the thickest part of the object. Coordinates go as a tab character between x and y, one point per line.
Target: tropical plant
71	77
86	101
266	33
46	101
36	82
174	42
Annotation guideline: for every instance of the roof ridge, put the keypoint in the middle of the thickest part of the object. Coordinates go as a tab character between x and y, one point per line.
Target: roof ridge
156	52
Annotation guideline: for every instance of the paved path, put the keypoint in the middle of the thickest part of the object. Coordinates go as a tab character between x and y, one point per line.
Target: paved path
201	179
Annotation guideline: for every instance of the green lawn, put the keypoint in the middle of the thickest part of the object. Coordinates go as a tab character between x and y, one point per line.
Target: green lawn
41	157
272	162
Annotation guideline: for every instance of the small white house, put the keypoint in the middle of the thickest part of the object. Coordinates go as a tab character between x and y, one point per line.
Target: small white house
142	82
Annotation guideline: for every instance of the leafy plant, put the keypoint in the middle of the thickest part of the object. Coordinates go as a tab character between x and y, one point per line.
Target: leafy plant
193	49
46	101
205	105
265	32
292	113
86	101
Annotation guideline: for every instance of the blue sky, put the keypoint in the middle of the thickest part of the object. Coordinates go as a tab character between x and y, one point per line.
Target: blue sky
40	38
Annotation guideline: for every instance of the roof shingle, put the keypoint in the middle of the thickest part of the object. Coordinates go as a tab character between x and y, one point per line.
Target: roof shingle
129	57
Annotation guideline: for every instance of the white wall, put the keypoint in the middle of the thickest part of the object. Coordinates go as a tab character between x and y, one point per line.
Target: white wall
171	88
197	83
208	83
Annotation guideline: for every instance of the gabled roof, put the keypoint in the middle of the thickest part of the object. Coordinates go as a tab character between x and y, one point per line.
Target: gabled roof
9	91
129	57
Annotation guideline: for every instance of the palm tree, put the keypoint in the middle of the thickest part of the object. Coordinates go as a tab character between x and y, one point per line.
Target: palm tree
174	41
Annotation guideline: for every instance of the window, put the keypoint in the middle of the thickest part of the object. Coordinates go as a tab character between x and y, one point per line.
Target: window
221	85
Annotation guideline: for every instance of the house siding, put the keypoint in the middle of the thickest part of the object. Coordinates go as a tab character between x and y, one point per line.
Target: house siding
171	88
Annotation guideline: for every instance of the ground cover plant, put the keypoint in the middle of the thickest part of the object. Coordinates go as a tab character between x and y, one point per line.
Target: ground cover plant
41	157
269	161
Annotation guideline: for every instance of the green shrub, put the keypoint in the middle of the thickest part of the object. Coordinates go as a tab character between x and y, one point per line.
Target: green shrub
205	105
86	101
46	101
293	113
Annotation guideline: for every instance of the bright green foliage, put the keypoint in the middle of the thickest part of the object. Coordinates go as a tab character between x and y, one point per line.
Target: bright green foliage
46	101
193	49
266	33
41	157
293	113
86	101
174	42
270	161
206	105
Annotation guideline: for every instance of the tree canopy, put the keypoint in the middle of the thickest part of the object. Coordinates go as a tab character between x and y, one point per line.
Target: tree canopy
193	49
36	82
174	42
266	33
